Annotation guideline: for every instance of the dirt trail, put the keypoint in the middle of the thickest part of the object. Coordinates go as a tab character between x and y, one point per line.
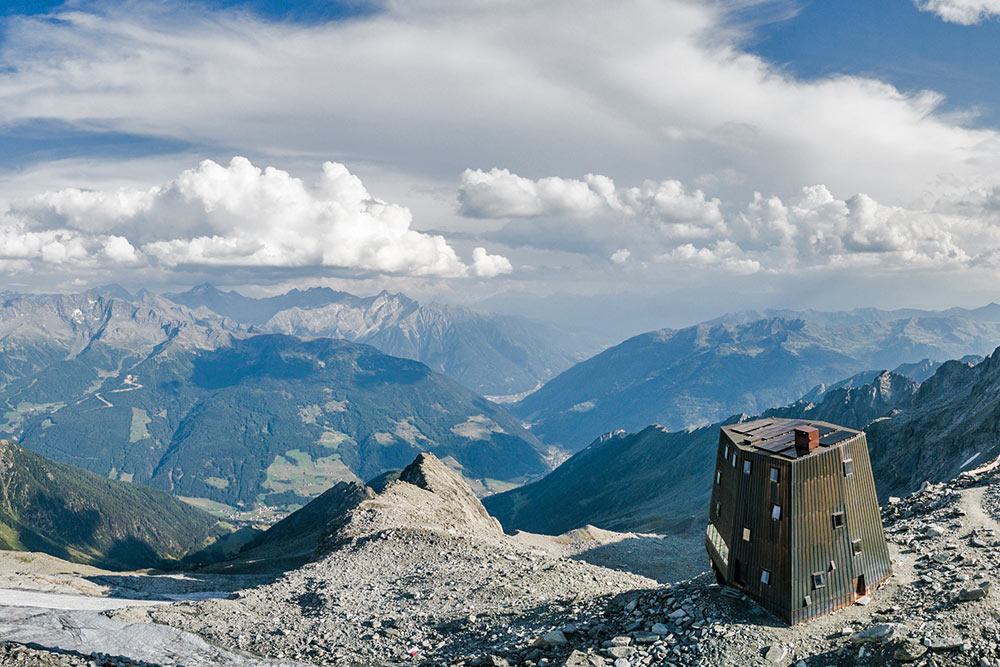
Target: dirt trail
976	517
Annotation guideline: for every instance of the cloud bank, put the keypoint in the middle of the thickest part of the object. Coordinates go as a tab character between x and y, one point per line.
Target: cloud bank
964	12
236	215
668	223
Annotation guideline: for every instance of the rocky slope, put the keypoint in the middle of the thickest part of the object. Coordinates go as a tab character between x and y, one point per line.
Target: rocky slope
419	574
658	480
276	420
489	353
76	515
694	376
952	424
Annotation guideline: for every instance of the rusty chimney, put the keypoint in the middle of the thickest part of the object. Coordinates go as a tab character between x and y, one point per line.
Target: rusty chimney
806	439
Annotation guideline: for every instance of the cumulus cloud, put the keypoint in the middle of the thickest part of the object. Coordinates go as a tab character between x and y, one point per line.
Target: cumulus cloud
666	223
488	266
964	12
236	215
620	256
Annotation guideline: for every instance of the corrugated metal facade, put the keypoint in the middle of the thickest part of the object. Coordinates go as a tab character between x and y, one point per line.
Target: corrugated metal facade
805	539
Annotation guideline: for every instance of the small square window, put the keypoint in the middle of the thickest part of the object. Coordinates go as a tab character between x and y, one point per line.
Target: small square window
746	467
806	601
818	580
838	520
718	477
774	474
746	534
848	467
734	459
856	546
833	566
765	577
776	512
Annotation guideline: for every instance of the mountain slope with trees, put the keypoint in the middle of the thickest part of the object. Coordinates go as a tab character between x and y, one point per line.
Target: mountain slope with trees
79	516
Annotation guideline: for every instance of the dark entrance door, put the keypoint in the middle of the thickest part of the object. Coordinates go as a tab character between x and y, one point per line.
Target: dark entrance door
738	575
859	585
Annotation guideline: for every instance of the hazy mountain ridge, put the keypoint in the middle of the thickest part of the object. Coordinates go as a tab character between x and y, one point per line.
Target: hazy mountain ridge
700	374
489	353
76	515
988	313
658	480
105	325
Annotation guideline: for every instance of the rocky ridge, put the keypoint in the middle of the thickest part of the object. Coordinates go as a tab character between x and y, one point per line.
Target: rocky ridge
408	582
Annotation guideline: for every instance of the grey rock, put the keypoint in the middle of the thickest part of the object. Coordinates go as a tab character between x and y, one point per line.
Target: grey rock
934	531
943	643
581	659
909	651
554	638
876	633
620	651
975	592
660	629
776	653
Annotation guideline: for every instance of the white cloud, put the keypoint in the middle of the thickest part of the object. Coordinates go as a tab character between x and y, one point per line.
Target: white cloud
545	87
488	266
620	256
119	250
965	12
666	223
237	215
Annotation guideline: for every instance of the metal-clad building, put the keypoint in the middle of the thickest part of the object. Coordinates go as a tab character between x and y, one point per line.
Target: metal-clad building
794	520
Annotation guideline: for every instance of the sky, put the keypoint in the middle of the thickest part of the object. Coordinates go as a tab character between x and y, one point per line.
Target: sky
619	167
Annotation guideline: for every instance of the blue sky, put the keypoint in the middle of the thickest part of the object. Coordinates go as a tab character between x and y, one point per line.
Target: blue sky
307	11
893	41
533	155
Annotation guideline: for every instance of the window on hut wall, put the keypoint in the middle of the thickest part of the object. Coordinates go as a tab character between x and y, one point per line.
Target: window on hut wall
746	466
765	577
838	520
848	467
773	475
776	512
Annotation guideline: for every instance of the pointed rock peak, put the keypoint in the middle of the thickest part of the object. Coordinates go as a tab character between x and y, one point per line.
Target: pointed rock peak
456	498
429	473
203	288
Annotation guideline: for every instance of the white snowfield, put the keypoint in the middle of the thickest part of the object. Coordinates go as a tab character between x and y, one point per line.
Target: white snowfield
74	623
12	597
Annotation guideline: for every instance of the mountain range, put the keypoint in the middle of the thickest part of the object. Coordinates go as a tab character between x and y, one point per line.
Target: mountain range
489	353
658	480
701	374
140	388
